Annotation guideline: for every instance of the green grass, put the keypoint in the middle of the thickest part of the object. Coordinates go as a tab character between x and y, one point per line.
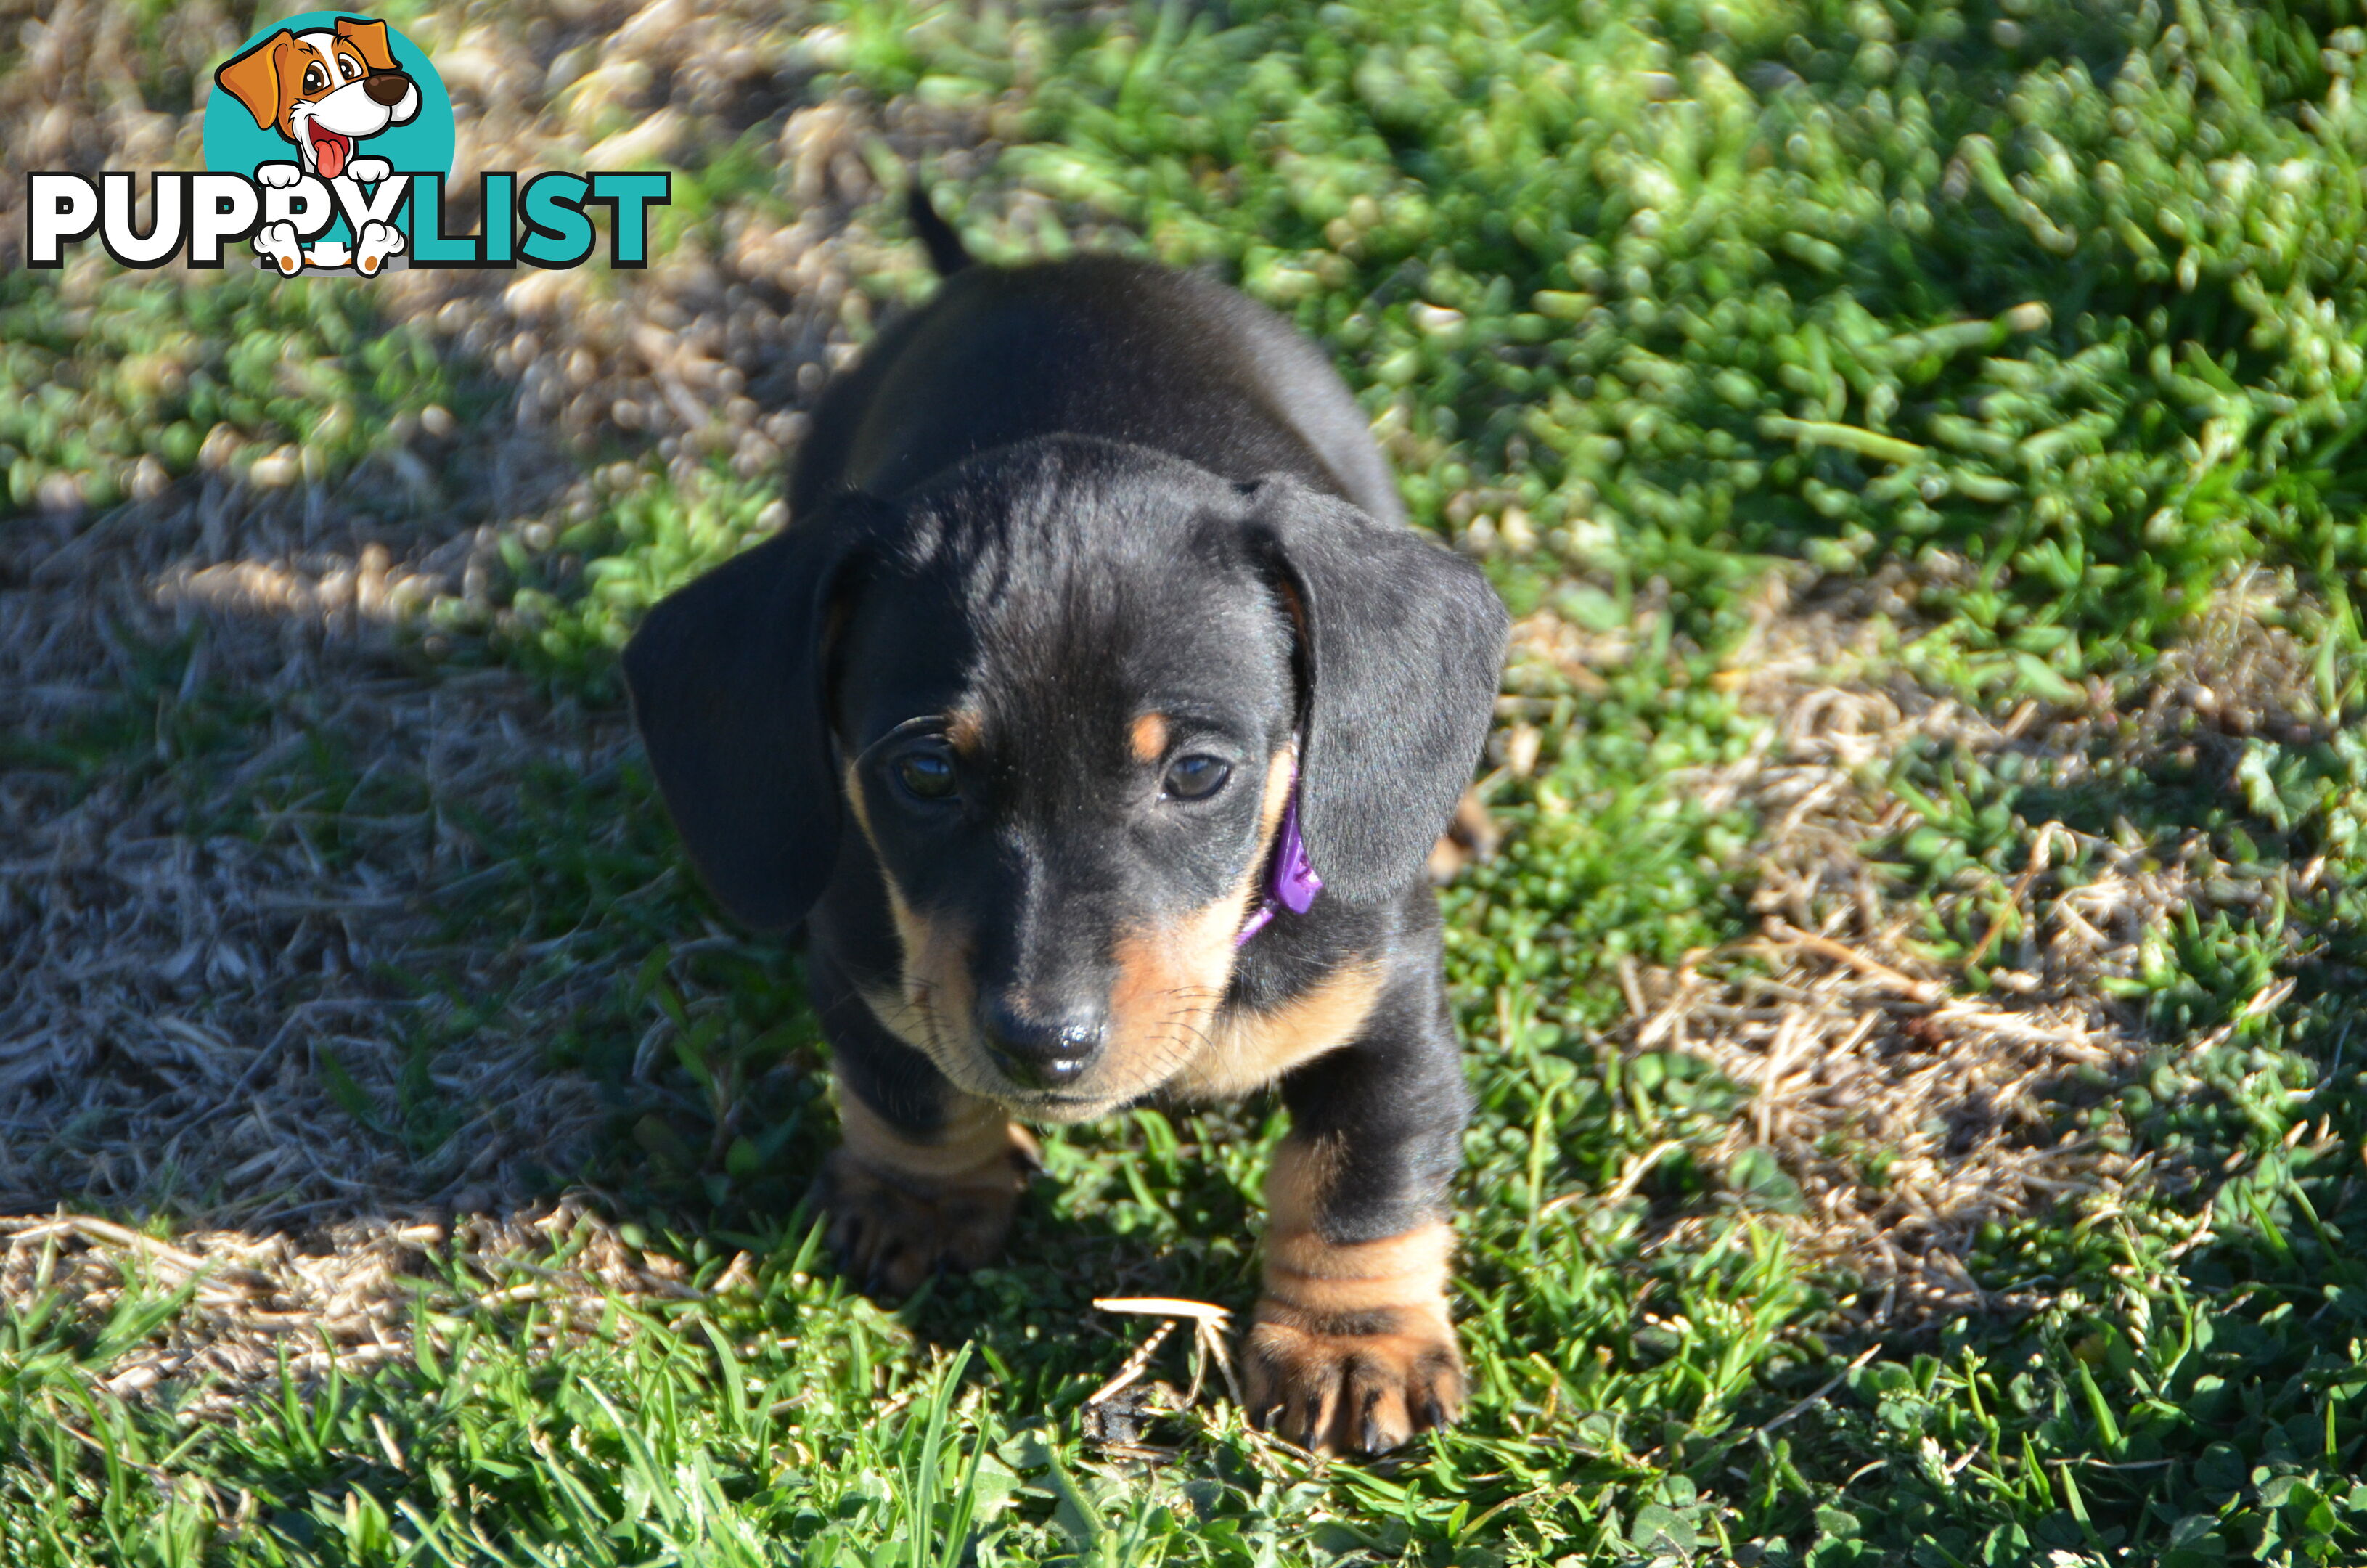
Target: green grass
2050	311
1751	319
95	382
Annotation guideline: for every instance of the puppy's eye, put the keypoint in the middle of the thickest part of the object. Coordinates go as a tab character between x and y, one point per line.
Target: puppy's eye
351	70
314	79
1194	777
925	775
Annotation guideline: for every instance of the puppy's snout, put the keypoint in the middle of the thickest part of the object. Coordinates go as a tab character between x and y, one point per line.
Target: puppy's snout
386	86
1036	1050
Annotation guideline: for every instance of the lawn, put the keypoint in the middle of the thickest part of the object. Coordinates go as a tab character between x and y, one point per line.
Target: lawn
1919	1121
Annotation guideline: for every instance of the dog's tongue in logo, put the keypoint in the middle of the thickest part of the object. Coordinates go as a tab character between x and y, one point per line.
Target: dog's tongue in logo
329	149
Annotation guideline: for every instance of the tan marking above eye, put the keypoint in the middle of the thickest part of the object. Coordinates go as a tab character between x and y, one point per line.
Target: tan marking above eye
1147	738
965	730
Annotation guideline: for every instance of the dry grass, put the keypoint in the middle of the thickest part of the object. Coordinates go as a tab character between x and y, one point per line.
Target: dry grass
170	991
173	981
355	1295
171	988
1909	1107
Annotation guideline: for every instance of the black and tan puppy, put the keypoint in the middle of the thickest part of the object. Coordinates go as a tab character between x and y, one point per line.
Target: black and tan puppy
1096	640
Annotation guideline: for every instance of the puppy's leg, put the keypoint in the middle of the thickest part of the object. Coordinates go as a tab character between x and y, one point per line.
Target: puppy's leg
1351	1348
278	244
378	242
928	1178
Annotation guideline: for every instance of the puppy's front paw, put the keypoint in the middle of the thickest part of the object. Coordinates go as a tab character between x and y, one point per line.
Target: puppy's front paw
1352	1382
370	171
278	244
378	242
889	1231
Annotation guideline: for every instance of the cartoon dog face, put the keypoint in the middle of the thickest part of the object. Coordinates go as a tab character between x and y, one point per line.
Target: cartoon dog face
324	91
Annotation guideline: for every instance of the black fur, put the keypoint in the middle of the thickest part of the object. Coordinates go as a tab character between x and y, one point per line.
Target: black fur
1055	499
728	692
947	252
1400	660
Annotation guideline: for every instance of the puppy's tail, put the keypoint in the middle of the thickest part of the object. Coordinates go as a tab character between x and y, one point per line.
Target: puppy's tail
944	247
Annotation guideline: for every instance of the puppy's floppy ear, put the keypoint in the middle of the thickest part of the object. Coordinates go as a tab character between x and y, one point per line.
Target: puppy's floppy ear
369	36
1401	644
727	684
254	78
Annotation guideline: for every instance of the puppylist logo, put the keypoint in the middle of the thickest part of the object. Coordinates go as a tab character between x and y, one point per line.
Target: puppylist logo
328	140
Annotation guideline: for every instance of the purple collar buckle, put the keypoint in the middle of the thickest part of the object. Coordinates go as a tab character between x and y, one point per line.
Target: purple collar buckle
1291	883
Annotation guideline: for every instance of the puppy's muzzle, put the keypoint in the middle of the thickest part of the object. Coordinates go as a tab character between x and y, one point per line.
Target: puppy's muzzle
1039	1052
386	88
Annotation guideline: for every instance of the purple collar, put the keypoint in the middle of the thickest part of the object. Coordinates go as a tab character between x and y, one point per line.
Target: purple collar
1291	882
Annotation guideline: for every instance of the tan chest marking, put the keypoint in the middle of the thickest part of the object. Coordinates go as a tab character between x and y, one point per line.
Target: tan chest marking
1147	738
1247	1050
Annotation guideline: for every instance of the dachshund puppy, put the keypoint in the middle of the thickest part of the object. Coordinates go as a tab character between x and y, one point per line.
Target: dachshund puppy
1096	714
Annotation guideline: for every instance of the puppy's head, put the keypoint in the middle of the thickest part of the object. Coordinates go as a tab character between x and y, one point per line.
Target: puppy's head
1057	704
324	91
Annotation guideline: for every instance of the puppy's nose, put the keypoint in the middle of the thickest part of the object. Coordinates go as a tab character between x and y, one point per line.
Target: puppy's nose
386	86
1040	1052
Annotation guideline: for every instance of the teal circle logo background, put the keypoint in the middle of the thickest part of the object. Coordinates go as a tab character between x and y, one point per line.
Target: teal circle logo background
234	144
